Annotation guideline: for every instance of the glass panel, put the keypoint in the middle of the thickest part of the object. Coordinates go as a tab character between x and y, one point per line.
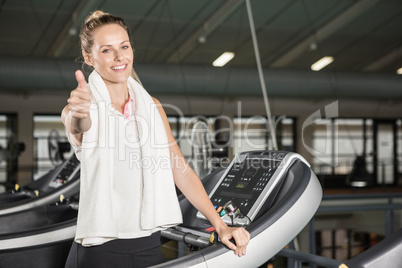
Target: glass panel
350	142
245	134
185	136
287	136
186	128
42	127
253	133
385	149
250	134
369	146
322	145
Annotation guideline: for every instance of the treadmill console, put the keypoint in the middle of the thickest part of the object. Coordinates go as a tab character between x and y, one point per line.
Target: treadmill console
67	172
251	180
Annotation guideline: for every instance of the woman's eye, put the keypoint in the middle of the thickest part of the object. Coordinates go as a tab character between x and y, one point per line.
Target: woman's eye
125	47
105	51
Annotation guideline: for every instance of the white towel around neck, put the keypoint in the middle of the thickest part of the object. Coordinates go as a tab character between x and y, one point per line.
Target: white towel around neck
160	207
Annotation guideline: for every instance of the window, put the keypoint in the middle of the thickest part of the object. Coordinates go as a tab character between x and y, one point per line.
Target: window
48	129
353	141
9	151
340	140
182	128
253	133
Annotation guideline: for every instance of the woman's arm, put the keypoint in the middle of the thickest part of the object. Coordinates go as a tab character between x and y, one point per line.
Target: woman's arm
190	185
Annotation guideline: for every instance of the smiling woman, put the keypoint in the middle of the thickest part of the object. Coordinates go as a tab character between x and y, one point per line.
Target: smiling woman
112	57
109	119
93	23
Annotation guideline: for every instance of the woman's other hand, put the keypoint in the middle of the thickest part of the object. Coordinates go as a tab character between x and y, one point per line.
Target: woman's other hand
240	235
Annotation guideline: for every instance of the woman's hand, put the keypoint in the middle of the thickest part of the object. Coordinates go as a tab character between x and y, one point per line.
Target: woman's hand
75	115
240	235
80	98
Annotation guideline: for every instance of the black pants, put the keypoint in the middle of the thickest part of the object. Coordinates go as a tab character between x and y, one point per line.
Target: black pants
119	253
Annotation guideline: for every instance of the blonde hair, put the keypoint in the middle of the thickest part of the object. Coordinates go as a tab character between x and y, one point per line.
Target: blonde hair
96	20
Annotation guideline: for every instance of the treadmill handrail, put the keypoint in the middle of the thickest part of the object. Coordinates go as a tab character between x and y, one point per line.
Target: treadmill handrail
44	199
56	233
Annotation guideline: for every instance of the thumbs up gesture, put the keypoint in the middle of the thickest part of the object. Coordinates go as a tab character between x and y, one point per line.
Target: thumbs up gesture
80	98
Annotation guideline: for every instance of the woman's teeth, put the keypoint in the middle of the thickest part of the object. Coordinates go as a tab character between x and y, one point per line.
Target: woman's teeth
119	67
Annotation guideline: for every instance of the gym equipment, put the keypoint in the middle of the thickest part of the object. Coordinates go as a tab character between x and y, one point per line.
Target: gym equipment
387	253
40	237
38	221
45	190
276	190
282	190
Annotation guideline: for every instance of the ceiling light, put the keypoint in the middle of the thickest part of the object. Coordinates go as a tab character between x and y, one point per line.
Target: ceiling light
399	71
313	46
72	31
223	59
321	63
202	39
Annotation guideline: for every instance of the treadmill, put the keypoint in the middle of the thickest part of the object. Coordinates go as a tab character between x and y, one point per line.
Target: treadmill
62	180
275	190
39	237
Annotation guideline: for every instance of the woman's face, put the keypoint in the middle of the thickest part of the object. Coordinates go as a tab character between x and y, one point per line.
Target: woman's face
111	55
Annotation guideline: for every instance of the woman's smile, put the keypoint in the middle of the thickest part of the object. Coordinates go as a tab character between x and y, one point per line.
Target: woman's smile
119	67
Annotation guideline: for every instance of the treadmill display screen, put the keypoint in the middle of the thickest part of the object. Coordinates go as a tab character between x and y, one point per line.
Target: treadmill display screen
66	173
244	182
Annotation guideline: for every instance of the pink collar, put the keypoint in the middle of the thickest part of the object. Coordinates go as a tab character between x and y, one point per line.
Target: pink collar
126	111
